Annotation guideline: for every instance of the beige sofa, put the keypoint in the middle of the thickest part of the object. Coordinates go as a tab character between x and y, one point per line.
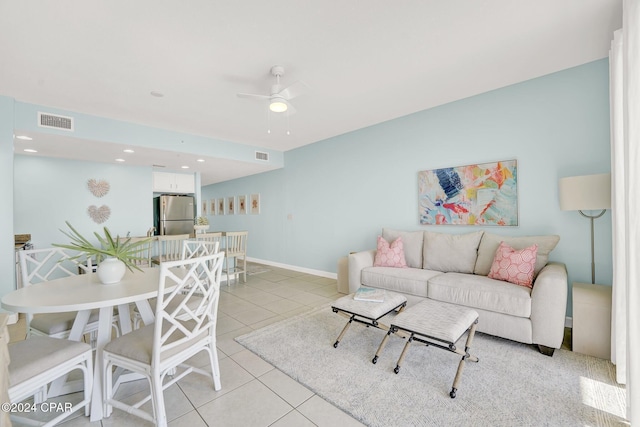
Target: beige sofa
453	268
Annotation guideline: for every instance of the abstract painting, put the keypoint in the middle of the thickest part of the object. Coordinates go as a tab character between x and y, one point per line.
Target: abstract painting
482	194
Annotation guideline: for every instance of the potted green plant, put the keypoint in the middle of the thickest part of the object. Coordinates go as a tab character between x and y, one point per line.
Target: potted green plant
201	224
113	255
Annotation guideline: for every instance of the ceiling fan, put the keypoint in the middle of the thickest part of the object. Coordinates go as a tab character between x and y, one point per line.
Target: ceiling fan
279	97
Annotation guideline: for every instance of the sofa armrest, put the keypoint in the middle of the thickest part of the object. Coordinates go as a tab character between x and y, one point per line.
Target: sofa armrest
358	261
549	305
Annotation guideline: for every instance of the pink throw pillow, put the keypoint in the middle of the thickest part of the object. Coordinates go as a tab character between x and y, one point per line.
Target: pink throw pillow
390	255
514	266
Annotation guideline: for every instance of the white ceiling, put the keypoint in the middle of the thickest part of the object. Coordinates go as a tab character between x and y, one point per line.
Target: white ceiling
365	61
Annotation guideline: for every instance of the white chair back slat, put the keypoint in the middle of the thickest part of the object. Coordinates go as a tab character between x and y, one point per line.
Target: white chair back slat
193	278
198	248
170	247
42	265
142	255
210	237
236	250
236	242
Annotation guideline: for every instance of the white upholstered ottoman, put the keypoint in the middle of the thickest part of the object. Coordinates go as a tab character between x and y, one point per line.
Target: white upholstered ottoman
438	324
367	312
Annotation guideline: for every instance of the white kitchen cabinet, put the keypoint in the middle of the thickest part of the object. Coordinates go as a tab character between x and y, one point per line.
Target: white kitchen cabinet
166	182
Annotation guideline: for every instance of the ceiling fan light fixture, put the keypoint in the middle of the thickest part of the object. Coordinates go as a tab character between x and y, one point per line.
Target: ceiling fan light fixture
278	105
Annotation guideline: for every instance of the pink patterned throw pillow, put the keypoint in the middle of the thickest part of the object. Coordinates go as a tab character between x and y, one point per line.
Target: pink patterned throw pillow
390	255
514	266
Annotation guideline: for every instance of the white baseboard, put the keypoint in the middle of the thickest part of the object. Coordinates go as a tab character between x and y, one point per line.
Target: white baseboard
320	273
568	322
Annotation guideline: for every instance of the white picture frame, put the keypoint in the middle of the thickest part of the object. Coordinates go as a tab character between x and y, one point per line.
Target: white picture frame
231	205
254	204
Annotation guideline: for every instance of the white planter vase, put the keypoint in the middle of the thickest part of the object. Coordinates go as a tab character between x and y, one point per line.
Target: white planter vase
111	270
200	228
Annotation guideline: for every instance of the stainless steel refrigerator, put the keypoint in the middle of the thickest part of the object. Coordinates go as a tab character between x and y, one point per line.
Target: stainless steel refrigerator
173	214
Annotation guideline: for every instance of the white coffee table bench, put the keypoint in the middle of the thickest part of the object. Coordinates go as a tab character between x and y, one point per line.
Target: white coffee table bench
438	324
366	312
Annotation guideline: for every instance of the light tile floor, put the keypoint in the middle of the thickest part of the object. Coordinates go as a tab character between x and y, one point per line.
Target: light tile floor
254	393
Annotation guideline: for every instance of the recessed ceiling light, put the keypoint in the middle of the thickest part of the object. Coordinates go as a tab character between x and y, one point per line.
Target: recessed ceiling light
128	150
24	137
157	94
119	160
200	160
185	167
30	150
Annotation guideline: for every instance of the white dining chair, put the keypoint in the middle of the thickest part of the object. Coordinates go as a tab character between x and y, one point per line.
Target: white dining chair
236	254
36	362
198	248
178	333
42	265
142	255
211	237
169	248
190	249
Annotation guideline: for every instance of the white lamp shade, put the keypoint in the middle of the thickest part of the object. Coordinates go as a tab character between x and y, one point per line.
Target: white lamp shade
587	192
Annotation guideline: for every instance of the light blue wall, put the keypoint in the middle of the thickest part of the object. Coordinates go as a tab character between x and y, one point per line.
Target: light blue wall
50	191
7	256
340	192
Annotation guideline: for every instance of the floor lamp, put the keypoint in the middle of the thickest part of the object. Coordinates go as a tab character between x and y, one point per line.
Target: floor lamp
586	193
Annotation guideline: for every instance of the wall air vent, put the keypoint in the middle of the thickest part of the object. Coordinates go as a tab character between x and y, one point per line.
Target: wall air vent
55	121
262	156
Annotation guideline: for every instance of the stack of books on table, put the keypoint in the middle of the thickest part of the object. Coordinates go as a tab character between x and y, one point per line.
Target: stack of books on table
369	294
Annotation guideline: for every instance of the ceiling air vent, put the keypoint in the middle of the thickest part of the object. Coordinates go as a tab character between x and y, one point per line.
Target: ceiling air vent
55	121
262	156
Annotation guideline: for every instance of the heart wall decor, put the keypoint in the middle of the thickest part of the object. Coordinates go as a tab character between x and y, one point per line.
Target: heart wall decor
99	214
98	188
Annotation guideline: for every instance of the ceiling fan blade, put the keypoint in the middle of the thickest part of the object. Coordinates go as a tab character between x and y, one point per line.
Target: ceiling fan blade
252	96
296	89
291	110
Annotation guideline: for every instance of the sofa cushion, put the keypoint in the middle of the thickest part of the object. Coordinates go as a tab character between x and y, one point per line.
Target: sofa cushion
412	242
514	266
412	281
451	252
490	242
389	255
482	293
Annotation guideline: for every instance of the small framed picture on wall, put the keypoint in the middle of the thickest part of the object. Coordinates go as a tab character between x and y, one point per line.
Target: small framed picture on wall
212	207
220	206
231	205
242	205
204	207
255	204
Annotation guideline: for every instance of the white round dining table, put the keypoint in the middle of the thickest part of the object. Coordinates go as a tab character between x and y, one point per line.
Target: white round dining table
83	293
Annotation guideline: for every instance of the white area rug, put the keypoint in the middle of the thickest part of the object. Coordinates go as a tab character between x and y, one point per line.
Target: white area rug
512	385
